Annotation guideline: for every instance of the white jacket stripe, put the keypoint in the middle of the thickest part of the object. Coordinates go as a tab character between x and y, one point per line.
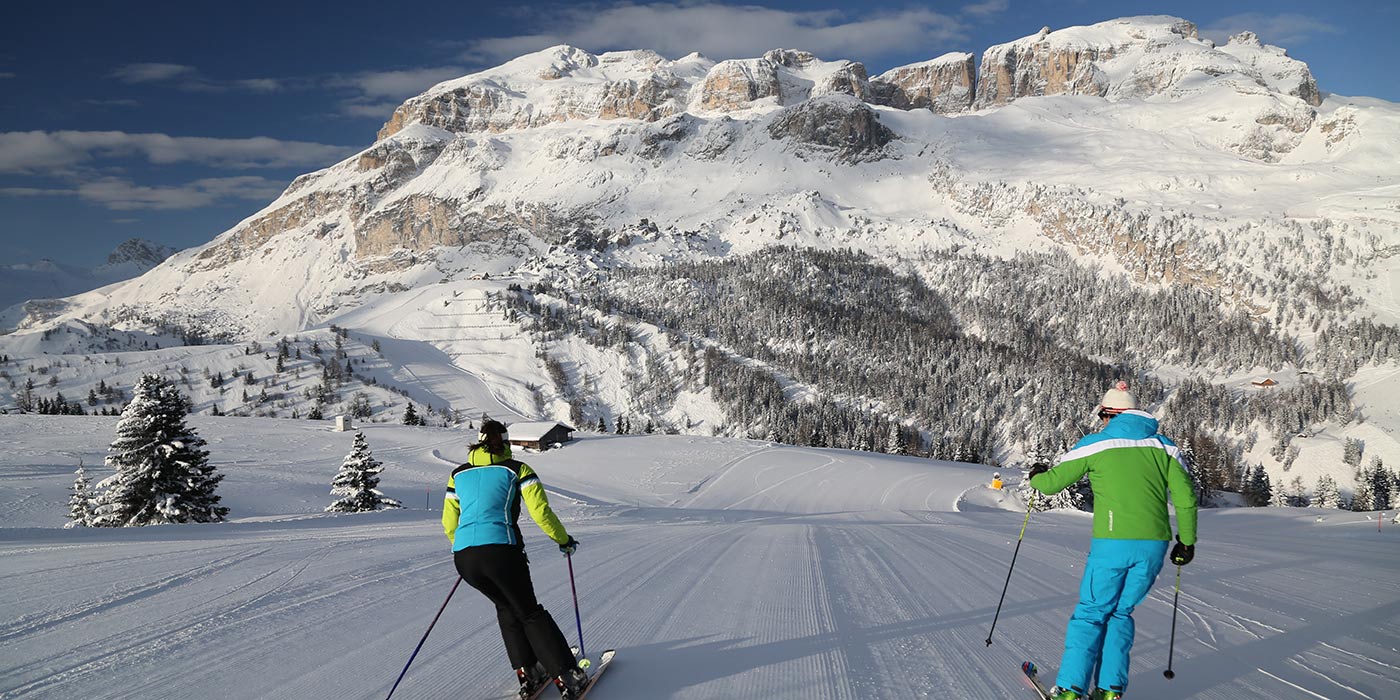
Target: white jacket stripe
1100	446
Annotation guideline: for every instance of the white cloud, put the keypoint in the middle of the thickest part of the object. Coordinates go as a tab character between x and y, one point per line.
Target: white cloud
986	8
725	31
40	152
124	195
151	72
400	84
6	76
111	103
189	78
1288	29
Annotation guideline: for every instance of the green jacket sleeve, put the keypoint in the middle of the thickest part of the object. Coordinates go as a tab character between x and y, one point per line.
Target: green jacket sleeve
1184	498
451	509
532	492
1060	476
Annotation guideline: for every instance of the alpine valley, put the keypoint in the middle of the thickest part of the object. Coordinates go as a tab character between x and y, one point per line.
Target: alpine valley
952	258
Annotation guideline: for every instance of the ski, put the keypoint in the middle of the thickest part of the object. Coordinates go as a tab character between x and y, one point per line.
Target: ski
593	674
1033	678
604	660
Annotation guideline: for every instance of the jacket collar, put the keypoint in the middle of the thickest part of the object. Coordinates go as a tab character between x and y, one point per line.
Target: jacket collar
481	457
1134	425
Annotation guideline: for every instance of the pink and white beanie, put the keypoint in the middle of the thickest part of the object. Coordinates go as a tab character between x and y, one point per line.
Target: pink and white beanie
1118	399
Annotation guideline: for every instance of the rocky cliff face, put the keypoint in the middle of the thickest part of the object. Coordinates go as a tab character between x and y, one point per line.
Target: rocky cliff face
1068	62
559	84
736	85
946	84
1135	58
1274	67
840	123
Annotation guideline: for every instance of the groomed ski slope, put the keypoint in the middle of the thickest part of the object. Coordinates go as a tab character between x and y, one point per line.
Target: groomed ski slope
720	568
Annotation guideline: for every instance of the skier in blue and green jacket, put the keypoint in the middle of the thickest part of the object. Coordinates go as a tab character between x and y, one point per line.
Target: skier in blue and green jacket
479	516
1133	471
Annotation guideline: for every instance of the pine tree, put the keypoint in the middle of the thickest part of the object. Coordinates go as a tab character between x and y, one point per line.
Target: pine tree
1326	495
602	425
80	500
1351	452
1257	491
1361	499
358	482
162	474
410	416
1380	483
1277	497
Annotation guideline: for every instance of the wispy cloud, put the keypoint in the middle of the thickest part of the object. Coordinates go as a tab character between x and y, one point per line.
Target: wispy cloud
723	31
1287	29
111	103
124	195
986	8
6	76
51	152
189	78
152	72
379	92
120	194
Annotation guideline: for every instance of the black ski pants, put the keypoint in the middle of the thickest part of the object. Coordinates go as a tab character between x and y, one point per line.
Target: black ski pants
502	573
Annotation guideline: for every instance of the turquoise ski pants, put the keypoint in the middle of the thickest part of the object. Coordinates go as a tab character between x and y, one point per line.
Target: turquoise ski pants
1117	576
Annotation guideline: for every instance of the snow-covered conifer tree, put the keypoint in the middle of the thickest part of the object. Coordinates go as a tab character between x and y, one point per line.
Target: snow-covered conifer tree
162	474
1361	498
358	482
1277	497
80	500
1351	452
1326	495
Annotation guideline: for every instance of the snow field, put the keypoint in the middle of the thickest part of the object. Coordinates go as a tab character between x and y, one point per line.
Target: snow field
720	568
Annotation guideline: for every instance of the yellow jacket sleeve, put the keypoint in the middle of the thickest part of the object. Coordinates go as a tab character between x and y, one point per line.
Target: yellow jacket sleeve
451	509
532	492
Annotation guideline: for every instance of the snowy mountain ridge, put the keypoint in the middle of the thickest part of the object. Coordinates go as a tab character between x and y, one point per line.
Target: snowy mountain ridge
49	279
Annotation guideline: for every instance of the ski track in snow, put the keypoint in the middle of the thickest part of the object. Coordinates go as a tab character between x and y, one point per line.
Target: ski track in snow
787	573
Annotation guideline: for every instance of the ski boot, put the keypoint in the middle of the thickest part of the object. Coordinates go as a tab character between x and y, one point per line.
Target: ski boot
532	681
1101	694
571	684
1058	693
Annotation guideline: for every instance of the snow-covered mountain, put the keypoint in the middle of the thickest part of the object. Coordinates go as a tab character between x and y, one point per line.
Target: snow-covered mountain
47	279
1154	168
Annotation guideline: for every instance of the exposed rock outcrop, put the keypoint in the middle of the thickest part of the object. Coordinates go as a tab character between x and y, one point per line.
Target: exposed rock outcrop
946	84
559	84
1275	67
734	85
843	124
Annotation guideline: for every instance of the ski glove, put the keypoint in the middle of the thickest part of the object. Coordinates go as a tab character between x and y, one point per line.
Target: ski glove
1039	468
569	547
1182	554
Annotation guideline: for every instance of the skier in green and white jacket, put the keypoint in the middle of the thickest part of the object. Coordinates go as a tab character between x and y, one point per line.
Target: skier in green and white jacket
1132	471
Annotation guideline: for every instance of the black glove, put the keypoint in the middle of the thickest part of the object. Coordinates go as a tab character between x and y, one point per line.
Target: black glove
1039	468
569	547
1182	554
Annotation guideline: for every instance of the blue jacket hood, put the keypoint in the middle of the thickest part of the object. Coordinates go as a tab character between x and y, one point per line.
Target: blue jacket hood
1130	425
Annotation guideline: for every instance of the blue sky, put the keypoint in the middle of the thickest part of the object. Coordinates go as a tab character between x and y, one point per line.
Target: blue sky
172	121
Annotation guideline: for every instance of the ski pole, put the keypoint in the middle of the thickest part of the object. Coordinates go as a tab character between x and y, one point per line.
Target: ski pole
424	639
1029	506
578	619
1171	646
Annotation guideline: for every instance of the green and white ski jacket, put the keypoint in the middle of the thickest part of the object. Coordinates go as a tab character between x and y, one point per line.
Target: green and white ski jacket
1132	470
